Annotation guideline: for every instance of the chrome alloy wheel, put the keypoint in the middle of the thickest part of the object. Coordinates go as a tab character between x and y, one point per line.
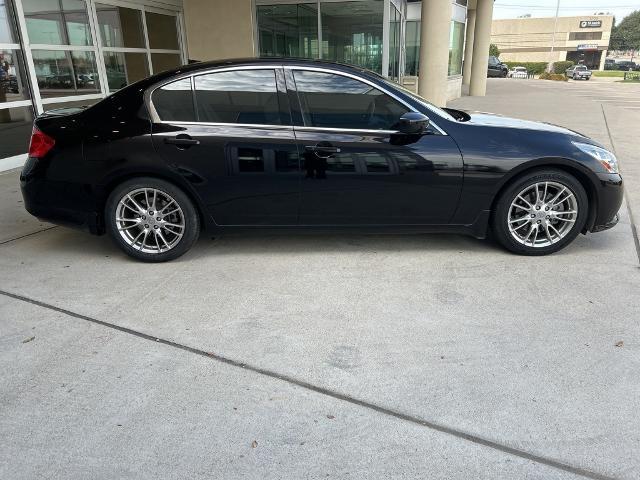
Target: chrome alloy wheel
150	220
542	214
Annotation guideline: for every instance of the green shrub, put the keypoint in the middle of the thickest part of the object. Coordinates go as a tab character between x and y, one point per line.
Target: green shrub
561	67
532	67
560	77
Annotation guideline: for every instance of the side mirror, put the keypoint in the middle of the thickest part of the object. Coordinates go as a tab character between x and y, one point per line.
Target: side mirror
413	123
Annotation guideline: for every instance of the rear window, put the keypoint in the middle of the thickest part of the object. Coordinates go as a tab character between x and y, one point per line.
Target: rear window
174	101
238	96
581	67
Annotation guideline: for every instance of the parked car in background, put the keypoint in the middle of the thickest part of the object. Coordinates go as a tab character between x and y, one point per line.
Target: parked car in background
496	68
627	65
518	72
578	72
267	145
609	64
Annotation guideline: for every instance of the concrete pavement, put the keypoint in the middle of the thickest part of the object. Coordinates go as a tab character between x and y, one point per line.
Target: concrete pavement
438	356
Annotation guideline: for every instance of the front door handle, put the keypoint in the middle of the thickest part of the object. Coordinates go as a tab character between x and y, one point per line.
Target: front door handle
181	141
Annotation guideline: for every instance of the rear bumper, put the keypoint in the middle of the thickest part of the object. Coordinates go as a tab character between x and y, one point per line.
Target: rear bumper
58	202
610	195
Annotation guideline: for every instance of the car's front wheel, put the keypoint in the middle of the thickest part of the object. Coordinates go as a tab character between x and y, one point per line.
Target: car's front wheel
151	220
540	213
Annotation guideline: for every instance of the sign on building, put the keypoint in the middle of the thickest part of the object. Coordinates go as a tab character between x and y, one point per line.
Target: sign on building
590	23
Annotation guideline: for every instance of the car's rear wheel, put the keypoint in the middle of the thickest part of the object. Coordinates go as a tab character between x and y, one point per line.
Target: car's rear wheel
151	220
540	213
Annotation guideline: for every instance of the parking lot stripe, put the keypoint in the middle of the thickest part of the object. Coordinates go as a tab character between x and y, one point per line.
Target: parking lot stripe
325	391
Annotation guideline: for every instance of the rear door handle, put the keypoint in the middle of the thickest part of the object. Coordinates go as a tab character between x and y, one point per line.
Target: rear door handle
182	141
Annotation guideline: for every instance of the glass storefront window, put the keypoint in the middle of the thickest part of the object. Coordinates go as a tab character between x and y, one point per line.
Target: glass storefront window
124	68
15	130
13	83
62	73
57	22
162	31
412	48
165	61
288	30
394	43
456	45
352	32
7	26
120	27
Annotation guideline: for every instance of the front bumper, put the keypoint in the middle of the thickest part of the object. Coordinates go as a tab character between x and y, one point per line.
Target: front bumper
610	193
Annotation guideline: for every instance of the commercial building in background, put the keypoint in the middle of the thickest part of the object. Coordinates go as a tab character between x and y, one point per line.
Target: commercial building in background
65	53
583	39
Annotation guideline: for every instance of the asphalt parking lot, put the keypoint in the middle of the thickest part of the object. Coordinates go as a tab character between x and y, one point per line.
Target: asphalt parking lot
340	356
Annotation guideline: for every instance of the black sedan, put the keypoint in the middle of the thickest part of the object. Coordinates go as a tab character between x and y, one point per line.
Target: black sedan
273	145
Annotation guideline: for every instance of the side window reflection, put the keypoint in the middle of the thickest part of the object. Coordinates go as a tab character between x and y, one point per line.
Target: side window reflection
334	101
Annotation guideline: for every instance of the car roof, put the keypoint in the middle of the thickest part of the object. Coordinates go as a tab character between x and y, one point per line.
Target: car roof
197	66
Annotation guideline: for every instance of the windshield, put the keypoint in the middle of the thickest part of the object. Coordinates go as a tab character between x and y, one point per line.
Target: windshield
581	67
419	99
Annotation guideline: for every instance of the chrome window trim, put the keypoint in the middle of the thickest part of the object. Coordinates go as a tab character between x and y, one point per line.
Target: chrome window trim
346	130
222	124
155	118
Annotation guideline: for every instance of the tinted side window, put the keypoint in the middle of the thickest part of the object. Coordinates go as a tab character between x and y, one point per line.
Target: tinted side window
240	96
174	101
335	101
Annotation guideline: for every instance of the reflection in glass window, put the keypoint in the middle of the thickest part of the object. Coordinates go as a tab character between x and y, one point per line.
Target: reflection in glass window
288	30
376	163
62	73
57	22
412	48
250	160
124	68
13	83
162	31
165	61
456	43
120	26
15	130
174	101
241	96
352	32
336	101
7	24
340	163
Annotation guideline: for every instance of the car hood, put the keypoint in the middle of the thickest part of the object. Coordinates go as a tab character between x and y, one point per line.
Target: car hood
495	120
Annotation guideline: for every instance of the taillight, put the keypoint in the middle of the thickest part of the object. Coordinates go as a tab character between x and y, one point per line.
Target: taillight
40	143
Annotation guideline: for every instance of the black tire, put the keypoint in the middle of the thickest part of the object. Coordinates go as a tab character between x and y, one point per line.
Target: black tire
190	216
500	215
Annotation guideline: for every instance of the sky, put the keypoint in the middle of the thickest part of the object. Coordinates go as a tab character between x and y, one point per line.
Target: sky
568	8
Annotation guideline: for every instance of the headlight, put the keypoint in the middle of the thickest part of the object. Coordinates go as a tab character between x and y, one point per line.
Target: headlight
605	157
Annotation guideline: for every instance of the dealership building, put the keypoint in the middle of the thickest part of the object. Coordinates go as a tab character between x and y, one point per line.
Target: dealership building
583	39
66	53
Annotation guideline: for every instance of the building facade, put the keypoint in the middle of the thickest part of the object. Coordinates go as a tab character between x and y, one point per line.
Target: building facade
583	39
66	53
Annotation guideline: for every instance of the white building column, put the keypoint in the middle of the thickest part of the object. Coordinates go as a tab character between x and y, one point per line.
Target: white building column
480	55
434	50
468	47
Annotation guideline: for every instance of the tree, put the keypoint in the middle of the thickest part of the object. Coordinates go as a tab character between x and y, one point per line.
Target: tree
494	51
626	35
